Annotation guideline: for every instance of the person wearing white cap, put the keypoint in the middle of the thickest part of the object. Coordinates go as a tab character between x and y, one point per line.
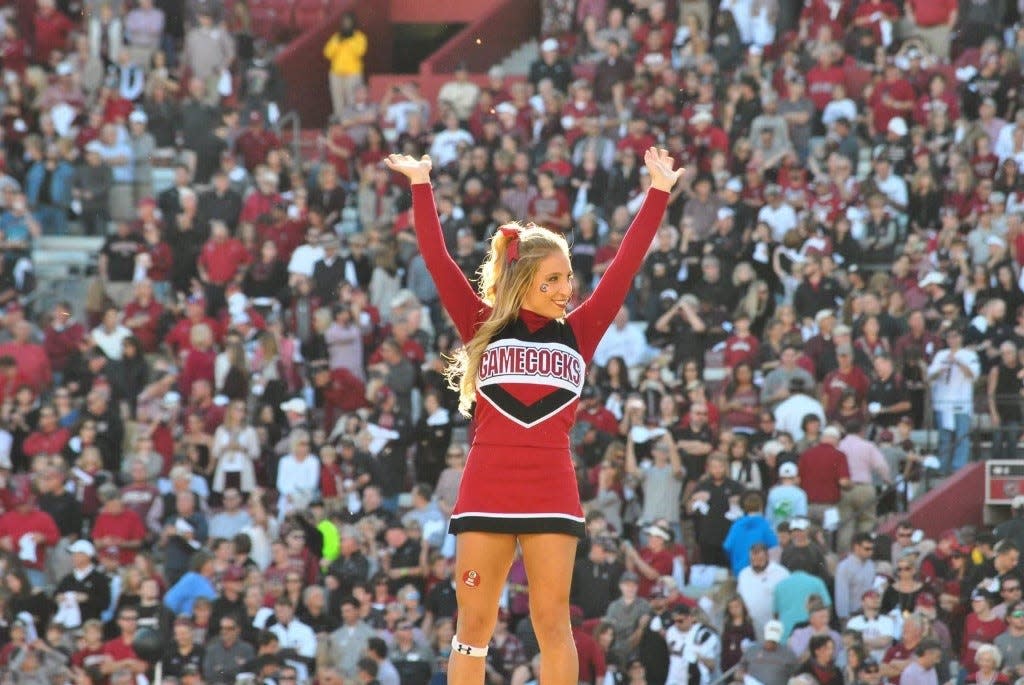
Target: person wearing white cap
86	583
769	661
786	499
550	65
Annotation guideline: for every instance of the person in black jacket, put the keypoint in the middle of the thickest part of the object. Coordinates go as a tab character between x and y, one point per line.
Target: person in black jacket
89	587
551	66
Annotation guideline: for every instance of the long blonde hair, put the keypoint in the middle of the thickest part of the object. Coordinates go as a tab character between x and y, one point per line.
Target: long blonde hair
511	279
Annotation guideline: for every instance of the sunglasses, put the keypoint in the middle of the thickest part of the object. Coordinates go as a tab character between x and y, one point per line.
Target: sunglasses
1017	614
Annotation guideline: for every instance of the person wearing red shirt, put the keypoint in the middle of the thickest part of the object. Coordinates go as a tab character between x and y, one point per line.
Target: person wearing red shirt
180	337
637	138
741	346
933	22
892	97
31	359
50	438
342	391
52	28
550	208
116	525
824	474
120	654
588	652
14	50
90	655
981	627
142	316
817	14
199	361
62	336
847	377
255	142
938	97
653	561
262	202
339	149
593	412
706	139
26	520
824	76
872	13
222	258
116	109
139	494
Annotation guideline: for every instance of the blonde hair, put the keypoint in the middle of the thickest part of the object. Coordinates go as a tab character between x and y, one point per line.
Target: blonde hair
512	279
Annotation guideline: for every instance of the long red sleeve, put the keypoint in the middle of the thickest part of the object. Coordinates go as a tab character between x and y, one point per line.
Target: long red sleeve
457	296
591	319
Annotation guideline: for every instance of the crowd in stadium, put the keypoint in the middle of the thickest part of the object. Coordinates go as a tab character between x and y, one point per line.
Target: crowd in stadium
244	442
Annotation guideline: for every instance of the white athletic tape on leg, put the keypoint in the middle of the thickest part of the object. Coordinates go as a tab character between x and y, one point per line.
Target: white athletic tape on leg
460	648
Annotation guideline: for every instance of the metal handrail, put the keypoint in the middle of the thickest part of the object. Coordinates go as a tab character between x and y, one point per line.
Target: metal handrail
292	117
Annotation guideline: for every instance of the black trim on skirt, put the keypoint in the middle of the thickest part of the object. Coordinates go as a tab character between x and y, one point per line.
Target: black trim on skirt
513	525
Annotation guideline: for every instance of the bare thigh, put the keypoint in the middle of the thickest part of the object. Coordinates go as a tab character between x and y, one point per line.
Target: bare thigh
482	563
549	558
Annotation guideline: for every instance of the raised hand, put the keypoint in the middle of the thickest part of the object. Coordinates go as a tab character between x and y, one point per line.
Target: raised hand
416	170
659	165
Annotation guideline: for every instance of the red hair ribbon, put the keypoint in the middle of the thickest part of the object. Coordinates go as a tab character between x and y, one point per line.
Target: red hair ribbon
511	234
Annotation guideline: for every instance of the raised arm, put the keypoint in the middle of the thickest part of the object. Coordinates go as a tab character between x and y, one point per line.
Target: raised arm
592	318
455	292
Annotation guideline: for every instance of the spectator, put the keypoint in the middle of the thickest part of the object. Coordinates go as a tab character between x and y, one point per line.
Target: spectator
345	51
952	373
208	52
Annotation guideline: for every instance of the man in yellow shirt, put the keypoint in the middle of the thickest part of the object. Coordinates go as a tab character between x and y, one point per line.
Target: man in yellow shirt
345	51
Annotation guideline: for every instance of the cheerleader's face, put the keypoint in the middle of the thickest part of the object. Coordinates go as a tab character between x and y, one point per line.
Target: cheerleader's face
549	293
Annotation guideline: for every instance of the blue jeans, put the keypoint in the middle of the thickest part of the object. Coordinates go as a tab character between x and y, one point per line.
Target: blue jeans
954	445
1004	440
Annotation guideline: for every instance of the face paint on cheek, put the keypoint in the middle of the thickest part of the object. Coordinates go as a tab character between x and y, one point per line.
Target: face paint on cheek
471	578
543	287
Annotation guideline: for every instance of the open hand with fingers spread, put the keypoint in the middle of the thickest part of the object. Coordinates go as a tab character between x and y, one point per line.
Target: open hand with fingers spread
416	170
660	165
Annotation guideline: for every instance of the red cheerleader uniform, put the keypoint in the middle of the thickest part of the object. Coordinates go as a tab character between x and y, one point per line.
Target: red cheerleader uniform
519	476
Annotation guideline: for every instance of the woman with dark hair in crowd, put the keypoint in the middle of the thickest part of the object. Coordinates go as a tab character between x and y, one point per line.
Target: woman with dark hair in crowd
925	202
737	632
902	593
821	663
21	596
741	400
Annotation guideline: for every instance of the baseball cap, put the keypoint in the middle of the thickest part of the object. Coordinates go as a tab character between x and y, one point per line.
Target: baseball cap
799	524
549	45
660	532
734	184
295	404
83	547
788	470
898	126
773	631
629	577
